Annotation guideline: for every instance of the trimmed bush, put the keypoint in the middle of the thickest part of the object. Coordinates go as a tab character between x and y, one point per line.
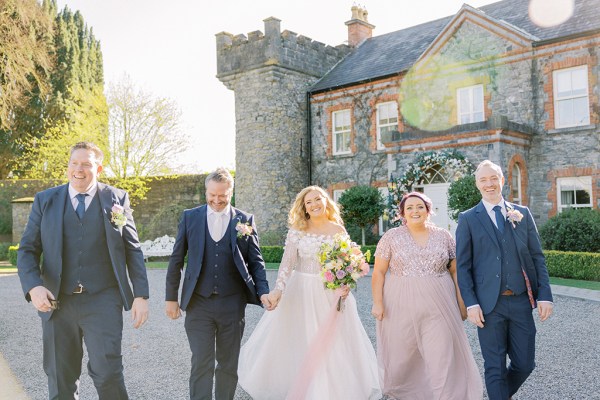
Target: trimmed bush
272	254
573	265
462	195
12	254
572	230
4	251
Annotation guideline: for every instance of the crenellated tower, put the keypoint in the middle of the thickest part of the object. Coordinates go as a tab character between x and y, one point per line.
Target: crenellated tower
270	74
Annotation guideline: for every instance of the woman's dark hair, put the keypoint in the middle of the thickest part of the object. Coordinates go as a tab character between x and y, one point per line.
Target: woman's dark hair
425	199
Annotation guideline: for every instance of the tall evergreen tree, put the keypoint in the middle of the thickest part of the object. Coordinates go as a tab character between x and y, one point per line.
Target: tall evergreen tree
75	108
26	50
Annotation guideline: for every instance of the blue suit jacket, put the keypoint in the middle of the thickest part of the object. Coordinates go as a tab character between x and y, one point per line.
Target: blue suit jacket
479	258
190	240
44	234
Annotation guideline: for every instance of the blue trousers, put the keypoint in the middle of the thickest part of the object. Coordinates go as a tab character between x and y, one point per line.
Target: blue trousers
508	329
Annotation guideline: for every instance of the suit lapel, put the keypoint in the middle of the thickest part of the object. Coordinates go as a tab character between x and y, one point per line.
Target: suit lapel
486	222
105	197
59	200
235	219
202	226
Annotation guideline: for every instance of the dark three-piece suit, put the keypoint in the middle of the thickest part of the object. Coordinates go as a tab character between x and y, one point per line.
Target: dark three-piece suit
221	277
495	267
85	263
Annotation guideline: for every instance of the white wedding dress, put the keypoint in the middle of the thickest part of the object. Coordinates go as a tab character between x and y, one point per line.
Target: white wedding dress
271	358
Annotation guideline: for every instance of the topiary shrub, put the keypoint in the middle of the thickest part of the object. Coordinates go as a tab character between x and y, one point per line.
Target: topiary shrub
572	230
361	206
462	195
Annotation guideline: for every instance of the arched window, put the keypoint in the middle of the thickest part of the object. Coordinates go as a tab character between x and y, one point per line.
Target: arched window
516	184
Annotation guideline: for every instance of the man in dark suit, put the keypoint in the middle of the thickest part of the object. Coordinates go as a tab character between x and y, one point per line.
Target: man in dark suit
502	275
225	271
84	235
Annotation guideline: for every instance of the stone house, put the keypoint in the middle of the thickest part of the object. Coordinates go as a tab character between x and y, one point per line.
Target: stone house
485	83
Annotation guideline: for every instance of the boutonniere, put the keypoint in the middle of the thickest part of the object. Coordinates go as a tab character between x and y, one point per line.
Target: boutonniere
513	216
243	230
117	215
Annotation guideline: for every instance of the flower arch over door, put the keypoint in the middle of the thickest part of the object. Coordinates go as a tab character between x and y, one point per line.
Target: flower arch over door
428	168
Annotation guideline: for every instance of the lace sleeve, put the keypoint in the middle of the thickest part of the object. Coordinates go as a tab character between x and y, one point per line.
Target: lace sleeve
289	259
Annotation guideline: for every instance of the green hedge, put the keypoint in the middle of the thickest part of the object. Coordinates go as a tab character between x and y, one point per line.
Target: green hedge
12	254
272	254
573	265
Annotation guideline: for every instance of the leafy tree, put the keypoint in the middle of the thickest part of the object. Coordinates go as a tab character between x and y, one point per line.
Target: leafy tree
144	131
572	230
361	206
25	67
462	195
70	106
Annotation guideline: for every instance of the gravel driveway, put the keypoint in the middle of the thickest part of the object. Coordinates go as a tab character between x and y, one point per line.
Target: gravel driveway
157	357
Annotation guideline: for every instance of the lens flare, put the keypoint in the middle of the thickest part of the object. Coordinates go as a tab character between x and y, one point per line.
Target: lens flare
549	13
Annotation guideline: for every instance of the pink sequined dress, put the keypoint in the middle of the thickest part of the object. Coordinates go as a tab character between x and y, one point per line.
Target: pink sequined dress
422	350
270	361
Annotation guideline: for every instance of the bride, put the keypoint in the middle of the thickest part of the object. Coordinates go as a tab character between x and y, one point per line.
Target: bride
305	349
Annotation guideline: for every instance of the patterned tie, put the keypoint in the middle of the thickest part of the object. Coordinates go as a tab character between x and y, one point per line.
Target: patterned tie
80	210
499	218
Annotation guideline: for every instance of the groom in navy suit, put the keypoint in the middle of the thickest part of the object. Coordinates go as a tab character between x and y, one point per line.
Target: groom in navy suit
79	247
225	271
502	276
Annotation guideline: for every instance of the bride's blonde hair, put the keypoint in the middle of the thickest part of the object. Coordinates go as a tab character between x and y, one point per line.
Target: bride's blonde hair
298	217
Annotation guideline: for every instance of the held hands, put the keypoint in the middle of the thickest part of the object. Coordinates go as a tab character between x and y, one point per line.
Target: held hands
139	312
475	316
172	309
272	299
40	298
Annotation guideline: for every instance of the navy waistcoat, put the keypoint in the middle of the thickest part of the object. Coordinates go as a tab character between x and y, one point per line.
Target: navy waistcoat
511	273
219	275
85	252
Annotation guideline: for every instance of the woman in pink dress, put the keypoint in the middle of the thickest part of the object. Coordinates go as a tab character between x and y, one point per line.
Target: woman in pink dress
422	349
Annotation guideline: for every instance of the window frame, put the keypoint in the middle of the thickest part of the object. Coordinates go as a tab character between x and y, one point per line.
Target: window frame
519	198
572	98
471	112
383	226
585	181
394	104
334	133
337	193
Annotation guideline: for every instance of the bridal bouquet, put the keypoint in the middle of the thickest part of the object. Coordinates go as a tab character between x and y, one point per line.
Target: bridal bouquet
342	263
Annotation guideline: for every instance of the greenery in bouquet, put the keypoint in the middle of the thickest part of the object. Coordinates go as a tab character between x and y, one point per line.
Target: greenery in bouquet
342	262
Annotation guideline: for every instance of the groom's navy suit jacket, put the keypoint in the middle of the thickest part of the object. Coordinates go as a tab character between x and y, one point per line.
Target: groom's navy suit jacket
44	234
190	240
478	257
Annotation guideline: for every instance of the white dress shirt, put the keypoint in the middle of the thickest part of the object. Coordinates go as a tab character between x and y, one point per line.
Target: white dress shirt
88	199
489	207
218	222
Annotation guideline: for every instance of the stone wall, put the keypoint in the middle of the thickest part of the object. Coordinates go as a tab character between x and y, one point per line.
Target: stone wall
21	208
155	216
270	75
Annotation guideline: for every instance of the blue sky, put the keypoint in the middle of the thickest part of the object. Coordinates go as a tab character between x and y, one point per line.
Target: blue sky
168	48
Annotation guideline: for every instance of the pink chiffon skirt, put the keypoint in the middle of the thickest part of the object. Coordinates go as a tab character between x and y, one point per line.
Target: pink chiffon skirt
422	349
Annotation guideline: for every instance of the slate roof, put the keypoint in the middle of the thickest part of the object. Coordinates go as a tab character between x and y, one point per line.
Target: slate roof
395	52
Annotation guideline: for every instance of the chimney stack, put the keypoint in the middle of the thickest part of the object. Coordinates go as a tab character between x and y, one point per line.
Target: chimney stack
359	28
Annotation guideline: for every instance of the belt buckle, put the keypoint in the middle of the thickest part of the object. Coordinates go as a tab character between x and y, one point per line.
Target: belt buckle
79	289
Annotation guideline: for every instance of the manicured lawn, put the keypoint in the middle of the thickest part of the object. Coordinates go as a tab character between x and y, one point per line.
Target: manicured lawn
593	285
